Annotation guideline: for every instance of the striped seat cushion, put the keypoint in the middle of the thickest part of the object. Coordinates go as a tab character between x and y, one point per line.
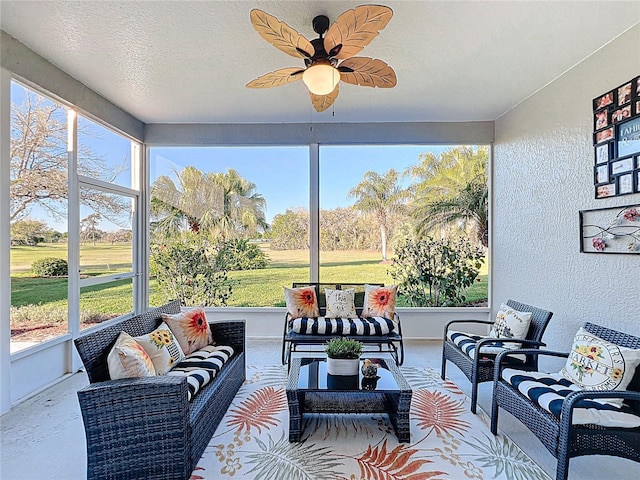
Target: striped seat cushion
342	326
201	366
467	343
548	390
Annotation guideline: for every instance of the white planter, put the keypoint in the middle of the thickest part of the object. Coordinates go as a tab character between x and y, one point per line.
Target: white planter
343	366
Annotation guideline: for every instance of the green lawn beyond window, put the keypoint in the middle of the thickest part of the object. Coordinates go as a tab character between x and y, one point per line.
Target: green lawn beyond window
252	288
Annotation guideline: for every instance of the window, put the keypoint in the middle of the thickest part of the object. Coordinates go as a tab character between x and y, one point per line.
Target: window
47	191
109	198
38	216
229	225
375	200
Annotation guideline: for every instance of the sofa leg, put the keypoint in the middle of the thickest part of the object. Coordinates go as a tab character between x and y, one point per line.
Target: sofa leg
443	369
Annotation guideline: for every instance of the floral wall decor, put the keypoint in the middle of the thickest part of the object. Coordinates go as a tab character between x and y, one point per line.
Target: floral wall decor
610	230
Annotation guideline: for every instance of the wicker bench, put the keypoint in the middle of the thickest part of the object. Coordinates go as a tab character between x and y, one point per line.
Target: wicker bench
146	427
293	342
561	436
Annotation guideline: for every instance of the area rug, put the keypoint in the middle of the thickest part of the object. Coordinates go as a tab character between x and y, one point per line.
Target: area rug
447	440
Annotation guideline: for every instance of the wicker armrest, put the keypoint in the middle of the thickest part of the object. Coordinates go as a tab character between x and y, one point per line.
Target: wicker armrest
530	343
229	332
479	322
573	398
527	351
130	391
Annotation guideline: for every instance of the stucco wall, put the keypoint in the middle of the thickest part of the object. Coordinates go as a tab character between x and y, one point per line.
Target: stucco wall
543	175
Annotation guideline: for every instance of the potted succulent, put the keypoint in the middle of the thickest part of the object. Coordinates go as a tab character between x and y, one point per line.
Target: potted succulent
343	356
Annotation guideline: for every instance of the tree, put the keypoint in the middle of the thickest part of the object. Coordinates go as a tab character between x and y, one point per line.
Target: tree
382	196
89	228
290	230
436	273
121	235
452	188
243	208
39	163
29	232
222	203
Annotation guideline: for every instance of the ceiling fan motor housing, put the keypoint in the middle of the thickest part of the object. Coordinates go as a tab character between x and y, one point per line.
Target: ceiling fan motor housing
320	24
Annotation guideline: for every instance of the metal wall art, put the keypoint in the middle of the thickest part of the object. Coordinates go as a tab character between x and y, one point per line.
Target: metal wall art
610	230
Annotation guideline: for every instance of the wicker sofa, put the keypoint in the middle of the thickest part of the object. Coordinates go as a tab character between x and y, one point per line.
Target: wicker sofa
560	434
303	342
146	427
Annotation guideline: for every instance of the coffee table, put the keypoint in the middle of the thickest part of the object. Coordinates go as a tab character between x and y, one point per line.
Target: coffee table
311	390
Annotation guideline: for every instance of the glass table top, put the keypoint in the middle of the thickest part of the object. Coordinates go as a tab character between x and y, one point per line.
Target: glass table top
314	376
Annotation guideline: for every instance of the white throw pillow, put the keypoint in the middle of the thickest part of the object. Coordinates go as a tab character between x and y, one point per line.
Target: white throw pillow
127	359
163	348
510	323
596	364
340	303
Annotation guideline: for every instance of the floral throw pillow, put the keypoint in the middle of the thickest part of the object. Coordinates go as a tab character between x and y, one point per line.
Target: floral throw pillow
340	303
162	348
510	323
190	328
595	364
127	359
302	302
379	301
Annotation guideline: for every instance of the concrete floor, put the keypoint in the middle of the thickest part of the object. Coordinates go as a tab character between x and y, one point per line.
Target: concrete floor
43	437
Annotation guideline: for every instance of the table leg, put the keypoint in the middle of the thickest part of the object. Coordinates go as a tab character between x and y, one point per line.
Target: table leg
295	400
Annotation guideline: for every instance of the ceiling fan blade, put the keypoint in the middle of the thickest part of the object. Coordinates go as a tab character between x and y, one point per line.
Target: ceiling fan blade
355	29
281	35
367	72
322	102
277	78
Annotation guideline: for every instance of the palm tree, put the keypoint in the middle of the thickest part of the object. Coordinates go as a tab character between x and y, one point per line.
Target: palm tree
382	196
452	188
222	203
242	209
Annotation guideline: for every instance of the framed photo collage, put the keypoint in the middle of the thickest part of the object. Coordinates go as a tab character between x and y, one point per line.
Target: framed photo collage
616	139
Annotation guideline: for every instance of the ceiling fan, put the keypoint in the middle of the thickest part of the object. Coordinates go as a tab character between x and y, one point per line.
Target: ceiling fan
328	59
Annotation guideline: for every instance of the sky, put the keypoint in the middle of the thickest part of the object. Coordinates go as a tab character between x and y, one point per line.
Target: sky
281	174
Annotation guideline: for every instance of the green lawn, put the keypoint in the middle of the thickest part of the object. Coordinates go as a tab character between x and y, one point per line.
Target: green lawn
251	287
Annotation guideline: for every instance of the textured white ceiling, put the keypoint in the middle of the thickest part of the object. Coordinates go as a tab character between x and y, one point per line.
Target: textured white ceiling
189	61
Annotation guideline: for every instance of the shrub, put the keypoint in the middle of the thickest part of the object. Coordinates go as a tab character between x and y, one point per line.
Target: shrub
50	267
49	314
188	269
343	348
242	255
435	273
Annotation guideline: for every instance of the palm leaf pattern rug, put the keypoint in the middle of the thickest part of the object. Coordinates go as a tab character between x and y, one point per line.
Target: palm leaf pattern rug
447	440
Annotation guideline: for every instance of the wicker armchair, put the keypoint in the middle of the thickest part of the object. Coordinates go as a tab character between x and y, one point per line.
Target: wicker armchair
560	436
480	368
145	427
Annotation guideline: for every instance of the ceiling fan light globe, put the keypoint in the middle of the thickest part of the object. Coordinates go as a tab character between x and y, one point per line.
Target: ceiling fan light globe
321	79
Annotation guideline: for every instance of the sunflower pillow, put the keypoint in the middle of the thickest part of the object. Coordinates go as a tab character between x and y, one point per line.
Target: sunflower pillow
163	349
379	301
302	302
190	328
